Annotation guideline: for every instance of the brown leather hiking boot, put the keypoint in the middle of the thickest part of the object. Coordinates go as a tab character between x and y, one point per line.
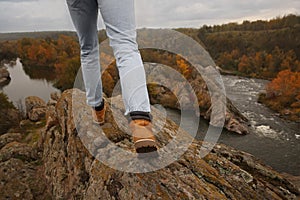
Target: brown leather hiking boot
143	138
99	116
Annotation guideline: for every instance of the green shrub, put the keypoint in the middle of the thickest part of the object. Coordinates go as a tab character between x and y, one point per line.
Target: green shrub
4	102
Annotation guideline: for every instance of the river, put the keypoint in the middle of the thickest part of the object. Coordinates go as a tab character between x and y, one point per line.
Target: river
23	85
272	139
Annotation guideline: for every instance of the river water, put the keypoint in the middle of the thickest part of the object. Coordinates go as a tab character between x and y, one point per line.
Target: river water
23	85
272	139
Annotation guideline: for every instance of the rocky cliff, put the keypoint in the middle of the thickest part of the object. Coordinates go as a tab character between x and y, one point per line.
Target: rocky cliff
59	165
73	173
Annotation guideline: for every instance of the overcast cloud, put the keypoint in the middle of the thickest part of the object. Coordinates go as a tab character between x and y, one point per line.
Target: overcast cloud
40	15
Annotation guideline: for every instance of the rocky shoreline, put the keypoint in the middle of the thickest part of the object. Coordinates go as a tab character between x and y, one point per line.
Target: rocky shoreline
49	161
4	76
287	113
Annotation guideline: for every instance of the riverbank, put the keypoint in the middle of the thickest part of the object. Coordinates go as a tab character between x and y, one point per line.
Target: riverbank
240	74
288	113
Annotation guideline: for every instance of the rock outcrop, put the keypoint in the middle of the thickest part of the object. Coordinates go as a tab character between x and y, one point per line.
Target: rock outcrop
21	166
4	76
22	173
35	108
55	162
72	172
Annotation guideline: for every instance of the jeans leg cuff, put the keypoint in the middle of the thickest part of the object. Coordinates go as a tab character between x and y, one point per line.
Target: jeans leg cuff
140	115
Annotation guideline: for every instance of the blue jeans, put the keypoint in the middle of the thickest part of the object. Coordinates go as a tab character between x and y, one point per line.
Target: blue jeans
119	20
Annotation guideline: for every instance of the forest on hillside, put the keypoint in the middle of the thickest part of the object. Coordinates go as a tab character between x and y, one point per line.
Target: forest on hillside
257	49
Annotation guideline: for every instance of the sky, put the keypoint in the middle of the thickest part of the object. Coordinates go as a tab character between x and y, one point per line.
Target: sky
45	15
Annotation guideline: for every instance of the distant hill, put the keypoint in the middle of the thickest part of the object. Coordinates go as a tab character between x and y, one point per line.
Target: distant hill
250	36
42	34
257	35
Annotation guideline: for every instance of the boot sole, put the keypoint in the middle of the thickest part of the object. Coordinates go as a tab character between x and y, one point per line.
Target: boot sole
145	146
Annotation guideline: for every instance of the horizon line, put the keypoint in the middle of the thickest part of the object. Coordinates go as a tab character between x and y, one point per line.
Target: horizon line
154	27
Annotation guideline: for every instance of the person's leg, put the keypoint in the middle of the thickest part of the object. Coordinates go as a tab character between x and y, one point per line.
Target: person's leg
119	20
84	14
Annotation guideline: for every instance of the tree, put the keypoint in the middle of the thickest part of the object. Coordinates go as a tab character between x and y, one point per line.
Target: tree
183	66
288	61
245	65
286	86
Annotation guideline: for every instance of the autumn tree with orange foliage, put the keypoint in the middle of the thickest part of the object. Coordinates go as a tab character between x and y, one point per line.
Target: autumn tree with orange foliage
287	85
35	52
47	52
245	65
283	94
61	55
67	61
184	67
